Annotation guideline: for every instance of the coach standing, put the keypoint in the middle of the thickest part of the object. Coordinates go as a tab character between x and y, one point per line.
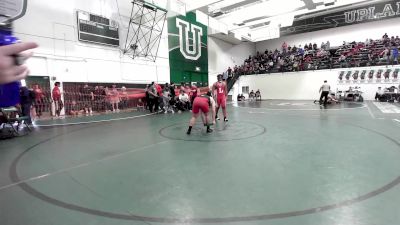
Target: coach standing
324	90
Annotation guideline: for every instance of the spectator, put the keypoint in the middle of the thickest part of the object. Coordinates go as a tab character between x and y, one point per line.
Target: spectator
342	61
153	97
98	98
395	55
258	94
27	98
385	36
147	96
225	75
252	95
166	96
379	94
183	102
229	72
58	104
124	98
114	98
284	47
39	100
87	99
328	46
75	110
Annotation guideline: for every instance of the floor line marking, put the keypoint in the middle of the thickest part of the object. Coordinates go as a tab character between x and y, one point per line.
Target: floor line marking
81	165
95	121
319	109
370	112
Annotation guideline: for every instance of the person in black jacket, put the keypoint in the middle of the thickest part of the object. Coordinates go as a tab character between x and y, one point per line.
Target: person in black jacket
27	97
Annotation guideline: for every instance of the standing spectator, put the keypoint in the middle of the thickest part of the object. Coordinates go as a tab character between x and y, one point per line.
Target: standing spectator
124	98
58	104
385	36
225	75
284	46
27	98
39	100
229	72
166	96
87	99
153	97
107	99
328	46
114	98
147	96
97	98
172	91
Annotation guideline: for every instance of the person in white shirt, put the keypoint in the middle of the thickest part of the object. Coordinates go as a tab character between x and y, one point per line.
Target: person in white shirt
324	90
379	94
184	102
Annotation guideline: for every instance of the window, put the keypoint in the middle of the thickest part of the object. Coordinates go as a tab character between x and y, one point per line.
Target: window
245	89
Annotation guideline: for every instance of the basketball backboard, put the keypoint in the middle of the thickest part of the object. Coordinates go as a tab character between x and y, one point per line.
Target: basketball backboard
12	9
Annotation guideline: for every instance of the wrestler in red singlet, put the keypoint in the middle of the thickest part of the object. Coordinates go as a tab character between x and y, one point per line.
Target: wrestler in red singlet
201	107
221	93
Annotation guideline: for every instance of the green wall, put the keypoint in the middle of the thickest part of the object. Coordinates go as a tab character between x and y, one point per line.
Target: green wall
183	67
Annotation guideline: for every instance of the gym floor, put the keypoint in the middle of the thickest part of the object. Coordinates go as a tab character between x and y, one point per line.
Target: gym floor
274	163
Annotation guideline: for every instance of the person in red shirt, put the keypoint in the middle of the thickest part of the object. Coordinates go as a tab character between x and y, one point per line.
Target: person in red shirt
39	100
220	92
201	107
56	94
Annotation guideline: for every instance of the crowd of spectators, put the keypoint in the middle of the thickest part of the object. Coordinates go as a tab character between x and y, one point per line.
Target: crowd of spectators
311	56
169	97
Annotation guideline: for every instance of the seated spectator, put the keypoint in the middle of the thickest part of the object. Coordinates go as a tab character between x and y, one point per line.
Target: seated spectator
258	94
252	95
74	109
262	69
395	55
385	55
342	61
379	94
183	103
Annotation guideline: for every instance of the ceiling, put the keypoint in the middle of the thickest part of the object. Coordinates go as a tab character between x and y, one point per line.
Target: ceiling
240	17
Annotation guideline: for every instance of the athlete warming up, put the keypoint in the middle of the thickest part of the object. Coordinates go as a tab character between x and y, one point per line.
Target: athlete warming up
220	95
201	107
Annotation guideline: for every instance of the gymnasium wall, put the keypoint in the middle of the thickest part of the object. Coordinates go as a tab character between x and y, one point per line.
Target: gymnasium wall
336	36
53	25
222	55
305	85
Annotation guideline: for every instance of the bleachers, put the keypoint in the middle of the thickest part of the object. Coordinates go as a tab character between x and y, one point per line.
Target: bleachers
350	54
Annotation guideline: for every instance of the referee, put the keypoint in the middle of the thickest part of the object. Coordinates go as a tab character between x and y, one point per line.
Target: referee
324	90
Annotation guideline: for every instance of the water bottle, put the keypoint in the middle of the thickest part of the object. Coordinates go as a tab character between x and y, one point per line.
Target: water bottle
9	93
